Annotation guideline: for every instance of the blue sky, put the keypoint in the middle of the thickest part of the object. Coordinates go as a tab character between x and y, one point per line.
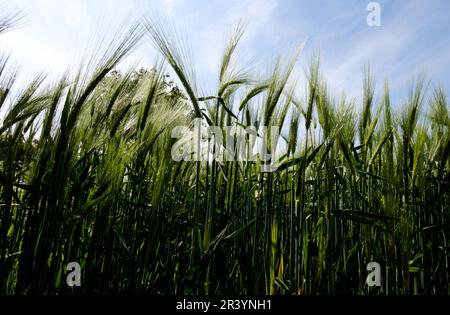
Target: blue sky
414	36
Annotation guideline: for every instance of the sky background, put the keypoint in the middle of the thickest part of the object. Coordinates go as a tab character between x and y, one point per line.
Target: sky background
414	37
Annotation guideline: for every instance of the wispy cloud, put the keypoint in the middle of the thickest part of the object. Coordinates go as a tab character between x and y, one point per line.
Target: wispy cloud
169	6
396	50
413	36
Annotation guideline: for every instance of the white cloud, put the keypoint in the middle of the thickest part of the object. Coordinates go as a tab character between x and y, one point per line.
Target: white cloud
169	6
259	14
388	49
48	43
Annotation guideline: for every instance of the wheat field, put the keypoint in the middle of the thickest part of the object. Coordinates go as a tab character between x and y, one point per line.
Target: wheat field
87	175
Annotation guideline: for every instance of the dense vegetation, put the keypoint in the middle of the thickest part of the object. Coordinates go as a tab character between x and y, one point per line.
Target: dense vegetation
87	175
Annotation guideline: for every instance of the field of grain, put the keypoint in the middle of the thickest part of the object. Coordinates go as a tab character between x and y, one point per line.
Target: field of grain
87	175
